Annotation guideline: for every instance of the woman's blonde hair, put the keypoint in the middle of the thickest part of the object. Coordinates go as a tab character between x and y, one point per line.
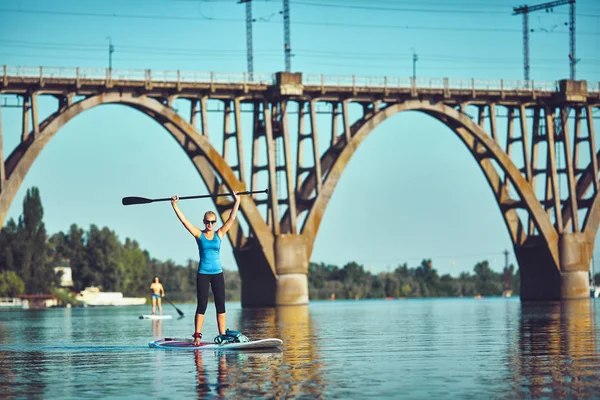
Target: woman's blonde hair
209	213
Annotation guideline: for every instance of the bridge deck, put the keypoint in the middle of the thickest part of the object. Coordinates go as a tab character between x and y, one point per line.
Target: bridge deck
61	81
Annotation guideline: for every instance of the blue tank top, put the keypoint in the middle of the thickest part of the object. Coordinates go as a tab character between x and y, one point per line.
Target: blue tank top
210	259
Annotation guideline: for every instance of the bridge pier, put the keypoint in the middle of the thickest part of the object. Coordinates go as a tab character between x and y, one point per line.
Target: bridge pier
575	256
291	262
543	280
260	288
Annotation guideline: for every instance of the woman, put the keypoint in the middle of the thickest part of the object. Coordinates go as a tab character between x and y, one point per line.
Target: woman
210	272
158	292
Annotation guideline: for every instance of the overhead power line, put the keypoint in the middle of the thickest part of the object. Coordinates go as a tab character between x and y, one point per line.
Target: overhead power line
525	10
308	23
221	52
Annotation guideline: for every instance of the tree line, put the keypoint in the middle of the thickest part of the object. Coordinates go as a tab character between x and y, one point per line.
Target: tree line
97	257
352	281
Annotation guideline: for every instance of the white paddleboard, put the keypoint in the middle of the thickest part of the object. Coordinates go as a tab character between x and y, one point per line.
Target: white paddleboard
173	343
155	317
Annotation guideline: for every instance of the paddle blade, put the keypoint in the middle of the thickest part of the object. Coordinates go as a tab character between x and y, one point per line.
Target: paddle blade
127	201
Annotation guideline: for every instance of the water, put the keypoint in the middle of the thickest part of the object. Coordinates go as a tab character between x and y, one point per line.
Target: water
435	348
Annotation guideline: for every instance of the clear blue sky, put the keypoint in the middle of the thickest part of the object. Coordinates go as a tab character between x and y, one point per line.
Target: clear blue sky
411	191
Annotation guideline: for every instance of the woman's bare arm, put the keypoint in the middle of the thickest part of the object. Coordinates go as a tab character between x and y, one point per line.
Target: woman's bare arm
188	225
227	225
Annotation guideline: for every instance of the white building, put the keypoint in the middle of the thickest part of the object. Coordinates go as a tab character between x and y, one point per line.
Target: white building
92	296
66	280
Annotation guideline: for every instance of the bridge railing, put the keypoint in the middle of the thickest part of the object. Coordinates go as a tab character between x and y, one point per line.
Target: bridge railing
145	75
429	83
210	77
138	75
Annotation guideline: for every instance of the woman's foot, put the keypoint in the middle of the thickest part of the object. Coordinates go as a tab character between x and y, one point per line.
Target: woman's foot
197	336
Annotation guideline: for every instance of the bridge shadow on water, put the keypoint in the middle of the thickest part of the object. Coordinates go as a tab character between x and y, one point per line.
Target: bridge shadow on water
555	352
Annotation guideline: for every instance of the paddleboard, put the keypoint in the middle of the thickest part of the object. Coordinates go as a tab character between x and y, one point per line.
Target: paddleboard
173	343
155	317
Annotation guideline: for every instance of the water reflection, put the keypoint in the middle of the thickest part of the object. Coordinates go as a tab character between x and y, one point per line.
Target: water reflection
433	348
8	377
157	328
203	386
303	367
247	374
295	371
556	352
23	376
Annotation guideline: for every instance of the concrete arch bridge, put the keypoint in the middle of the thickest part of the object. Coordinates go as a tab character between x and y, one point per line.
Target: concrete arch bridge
552	227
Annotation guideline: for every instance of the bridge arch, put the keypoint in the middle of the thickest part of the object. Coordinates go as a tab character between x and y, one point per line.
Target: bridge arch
203	155
470	134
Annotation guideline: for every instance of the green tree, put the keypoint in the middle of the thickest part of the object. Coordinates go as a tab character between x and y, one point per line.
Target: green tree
9	243
428	278
405	290
133	269
355	280
466	284
103	252
391	286
83	273
376	289
10	284
72	246
488	283
35	267
233	285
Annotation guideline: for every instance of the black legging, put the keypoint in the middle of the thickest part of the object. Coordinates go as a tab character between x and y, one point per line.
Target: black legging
217	284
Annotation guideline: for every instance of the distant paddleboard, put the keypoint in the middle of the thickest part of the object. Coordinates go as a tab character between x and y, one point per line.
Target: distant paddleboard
182	344
155	317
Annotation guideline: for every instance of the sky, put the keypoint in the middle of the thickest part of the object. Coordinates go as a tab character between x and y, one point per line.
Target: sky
412	191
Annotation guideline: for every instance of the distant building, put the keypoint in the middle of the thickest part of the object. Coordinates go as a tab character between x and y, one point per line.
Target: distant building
13	302
66	279
92	296
39	300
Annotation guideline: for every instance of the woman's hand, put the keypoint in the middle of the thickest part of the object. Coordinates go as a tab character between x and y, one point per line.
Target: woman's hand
174	200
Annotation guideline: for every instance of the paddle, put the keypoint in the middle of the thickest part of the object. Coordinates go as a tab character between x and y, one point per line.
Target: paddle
127	201
178	310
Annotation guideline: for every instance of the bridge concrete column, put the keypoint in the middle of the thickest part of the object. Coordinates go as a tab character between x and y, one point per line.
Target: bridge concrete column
291	262
575	256
543	280
260	288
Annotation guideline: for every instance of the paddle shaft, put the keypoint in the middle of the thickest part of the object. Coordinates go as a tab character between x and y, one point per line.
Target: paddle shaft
142	200
178	310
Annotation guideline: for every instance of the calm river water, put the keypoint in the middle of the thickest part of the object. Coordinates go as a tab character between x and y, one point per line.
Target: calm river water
367	349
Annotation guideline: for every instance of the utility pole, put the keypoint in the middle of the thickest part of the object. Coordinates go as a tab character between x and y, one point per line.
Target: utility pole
286	36
572	59
249	22
525	10
111	49
415	58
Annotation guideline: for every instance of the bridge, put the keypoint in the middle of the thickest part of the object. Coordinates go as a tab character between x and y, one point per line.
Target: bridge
552	226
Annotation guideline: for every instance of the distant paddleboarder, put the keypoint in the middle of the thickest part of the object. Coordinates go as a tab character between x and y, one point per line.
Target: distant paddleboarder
210	272
158	292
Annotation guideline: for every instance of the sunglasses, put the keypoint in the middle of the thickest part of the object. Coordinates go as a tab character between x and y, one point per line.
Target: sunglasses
209	222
